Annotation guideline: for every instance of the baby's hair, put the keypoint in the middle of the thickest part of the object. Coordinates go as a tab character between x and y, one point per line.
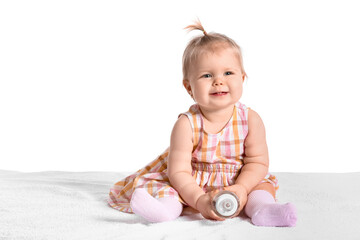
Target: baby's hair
206	42
196	26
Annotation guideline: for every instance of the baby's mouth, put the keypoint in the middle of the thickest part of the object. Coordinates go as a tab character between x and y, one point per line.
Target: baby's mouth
218	93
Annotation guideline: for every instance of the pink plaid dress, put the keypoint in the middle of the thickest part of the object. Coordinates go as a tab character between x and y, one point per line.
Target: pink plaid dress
216	161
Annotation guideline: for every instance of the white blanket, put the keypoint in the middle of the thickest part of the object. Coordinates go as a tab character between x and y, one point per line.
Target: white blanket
68	205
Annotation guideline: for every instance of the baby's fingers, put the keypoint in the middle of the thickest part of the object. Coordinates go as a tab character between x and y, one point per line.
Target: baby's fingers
213	216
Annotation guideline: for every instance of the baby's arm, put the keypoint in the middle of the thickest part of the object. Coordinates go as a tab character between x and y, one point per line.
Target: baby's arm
179	165
180	170
256	160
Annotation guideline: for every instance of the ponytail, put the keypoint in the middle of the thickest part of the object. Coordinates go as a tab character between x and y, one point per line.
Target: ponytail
196	26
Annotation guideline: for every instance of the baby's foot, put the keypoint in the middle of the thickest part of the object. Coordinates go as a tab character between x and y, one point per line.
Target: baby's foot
275	215
152	209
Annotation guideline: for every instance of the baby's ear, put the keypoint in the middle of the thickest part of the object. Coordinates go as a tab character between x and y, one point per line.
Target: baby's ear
244	75
186	84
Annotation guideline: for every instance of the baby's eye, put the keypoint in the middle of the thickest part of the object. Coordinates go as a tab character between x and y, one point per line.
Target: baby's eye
207	75
228	73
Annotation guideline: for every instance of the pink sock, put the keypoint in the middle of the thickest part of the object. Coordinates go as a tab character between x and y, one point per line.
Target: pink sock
155	210
264	211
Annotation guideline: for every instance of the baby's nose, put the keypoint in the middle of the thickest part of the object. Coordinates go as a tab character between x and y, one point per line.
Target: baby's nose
218	82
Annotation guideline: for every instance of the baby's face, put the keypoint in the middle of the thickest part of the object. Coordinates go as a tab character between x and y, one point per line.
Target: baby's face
215	80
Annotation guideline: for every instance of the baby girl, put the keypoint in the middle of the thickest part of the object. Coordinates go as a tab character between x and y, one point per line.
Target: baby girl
218	143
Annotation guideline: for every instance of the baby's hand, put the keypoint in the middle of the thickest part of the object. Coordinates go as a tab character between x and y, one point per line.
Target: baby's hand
240	192
203	205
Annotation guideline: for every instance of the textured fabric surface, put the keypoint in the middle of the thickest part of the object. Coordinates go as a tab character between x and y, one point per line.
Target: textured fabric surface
70	205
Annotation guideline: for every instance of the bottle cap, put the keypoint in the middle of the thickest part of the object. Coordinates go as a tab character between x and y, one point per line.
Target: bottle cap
226	204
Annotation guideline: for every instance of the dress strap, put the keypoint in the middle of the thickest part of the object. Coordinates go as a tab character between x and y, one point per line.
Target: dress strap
196	123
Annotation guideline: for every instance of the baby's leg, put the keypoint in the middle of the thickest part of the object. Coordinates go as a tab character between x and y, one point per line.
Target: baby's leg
155	210
264	211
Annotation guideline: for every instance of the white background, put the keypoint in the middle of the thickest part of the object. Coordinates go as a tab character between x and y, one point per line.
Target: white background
96	85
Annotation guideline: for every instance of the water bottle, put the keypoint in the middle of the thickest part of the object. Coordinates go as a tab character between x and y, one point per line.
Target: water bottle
225	204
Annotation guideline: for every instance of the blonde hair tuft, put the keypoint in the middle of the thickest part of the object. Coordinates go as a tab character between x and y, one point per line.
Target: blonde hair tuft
196	26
